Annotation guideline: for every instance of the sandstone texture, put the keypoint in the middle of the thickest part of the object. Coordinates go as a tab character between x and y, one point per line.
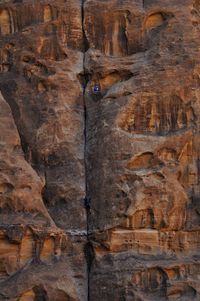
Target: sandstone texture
42	172
100	98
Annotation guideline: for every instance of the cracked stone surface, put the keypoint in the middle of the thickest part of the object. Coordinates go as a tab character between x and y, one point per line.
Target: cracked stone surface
99	98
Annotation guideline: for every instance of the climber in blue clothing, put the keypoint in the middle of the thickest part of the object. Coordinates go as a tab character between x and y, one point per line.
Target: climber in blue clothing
96	88
96	91
87	202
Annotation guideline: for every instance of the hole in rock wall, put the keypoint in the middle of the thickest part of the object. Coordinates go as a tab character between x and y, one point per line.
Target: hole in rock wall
40	294
154	20
28	296
141	161
35	294
6	188
152	25
5	23
117	76
151	280
143	219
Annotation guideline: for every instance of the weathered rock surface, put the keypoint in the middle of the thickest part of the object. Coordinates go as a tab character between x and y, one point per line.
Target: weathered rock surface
100	98
40	61
42	168
143	149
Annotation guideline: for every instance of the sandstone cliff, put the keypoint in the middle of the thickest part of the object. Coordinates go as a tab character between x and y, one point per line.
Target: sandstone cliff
99	98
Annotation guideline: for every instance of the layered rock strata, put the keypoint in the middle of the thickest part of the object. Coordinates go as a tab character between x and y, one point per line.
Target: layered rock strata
99	98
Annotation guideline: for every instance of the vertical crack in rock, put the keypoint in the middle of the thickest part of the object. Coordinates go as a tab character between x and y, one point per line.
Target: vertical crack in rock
135	153
88	250
84	83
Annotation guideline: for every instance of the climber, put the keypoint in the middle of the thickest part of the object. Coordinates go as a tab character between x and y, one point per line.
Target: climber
87	202
96	89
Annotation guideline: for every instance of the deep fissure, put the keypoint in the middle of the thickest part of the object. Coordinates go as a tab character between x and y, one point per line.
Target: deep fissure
84	81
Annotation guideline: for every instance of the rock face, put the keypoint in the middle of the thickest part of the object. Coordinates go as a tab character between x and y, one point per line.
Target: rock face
42	176
99	98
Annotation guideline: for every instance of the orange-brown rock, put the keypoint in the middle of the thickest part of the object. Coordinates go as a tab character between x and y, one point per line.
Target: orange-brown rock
20	186
99	98
42	172
143	146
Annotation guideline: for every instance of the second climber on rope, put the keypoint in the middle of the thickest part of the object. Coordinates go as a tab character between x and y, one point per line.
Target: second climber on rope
87	203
